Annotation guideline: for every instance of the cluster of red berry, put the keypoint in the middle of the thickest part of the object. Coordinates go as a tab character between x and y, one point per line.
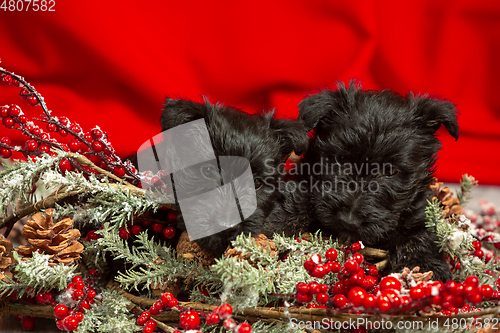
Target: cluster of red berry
190	319
487	226
94	144
82	296
358	288
167	230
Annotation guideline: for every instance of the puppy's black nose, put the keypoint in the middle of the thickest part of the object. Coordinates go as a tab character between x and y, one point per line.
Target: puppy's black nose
349	220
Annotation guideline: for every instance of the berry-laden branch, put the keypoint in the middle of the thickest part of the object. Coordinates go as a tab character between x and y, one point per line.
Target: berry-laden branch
94	144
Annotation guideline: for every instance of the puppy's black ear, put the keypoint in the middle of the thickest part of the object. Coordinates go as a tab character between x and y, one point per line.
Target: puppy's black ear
433	112
180	111
324	106
291	134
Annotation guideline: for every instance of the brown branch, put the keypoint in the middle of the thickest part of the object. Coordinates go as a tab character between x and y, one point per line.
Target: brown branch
85	161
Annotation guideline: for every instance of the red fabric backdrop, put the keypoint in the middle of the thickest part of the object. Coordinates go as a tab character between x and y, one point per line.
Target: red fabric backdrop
111	63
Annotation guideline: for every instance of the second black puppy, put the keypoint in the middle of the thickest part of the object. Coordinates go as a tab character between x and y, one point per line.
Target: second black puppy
372	161
263	141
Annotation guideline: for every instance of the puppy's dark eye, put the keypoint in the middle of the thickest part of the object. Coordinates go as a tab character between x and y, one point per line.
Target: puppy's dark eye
210	172
258	183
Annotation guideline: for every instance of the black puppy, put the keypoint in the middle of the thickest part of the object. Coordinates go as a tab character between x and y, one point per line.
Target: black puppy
260	139
370	166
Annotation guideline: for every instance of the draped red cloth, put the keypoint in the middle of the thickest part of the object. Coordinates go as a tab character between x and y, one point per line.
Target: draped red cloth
111	63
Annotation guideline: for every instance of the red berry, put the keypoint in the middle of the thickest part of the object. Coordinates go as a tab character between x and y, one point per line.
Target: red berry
302	288
309	265
43	147
212	319
333	267
63	132
96	133
479	253
437	299
316	258
39	298
319	271
356	296
369	301
22	119
8	122
476	244
79	316
32	100
4	111
358	257
225	310
339	288
70	323
79	285
119	171
5	140
142	319
159	306
304	298
136	229
355	247
97	146
228	324
51	127
74	145
91	235
417	292
331	255
77	294
91	294
153	310
65	165
468	290
59	324
369	282
60	311
172	215
314	287
169	232
31	145
392	297
28	323
351	266
486	291
189	320
24	93
383	305
339	301
244	328
76	279
123	233
14	110
475	298
157	227
48	298
322	298
148	329
7	79
152	324
5	152
390	283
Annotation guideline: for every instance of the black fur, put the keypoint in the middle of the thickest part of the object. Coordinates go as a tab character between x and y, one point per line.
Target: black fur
388	143
265	142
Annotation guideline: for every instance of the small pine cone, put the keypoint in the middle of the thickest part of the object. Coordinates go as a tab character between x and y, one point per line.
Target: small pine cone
55	239
173	287
5	257
451	205
190	250
262	243
410	278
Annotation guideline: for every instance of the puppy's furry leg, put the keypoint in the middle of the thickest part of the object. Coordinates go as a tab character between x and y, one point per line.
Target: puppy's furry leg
420	249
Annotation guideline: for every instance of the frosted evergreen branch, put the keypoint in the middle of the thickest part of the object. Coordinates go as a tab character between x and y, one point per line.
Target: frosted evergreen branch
38	275
109	315
433	215
152	262
466	185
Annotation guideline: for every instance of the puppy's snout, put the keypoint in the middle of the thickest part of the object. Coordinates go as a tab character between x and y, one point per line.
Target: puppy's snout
349	220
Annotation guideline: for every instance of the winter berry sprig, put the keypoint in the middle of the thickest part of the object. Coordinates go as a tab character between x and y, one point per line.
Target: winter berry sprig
74	301
359	290
94	145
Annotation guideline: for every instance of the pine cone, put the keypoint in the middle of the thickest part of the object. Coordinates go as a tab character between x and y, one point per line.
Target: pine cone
5	257
190	250
262	243
412	277
451	205
54	239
